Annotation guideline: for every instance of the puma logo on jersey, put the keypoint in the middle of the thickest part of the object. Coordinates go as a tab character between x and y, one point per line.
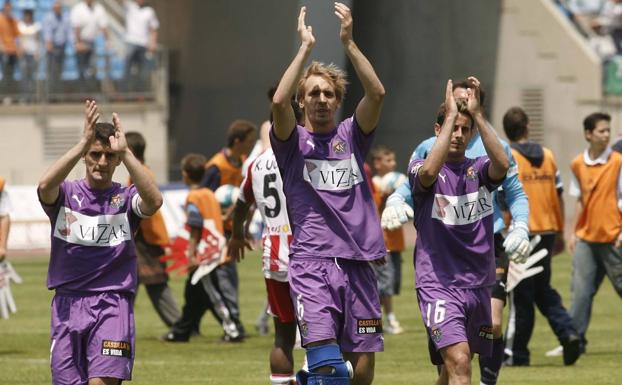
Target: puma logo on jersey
310	143
79	201
442	176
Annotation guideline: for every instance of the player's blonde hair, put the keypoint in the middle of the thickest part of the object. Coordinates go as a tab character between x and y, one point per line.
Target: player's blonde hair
335	75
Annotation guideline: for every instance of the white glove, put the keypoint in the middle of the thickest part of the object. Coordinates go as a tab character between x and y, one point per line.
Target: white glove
519	271
517	242
395	214
7	303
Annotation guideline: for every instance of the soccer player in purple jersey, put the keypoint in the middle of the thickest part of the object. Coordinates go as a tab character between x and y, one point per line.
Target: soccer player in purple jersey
454	257
93	257
334	220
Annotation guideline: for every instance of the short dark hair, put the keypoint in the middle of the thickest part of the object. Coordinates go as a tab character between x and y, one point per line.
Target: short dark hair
194	166
239	129
462	108
103	132
29	11
380	150
294	103
590	121
515	123
136	143
465	83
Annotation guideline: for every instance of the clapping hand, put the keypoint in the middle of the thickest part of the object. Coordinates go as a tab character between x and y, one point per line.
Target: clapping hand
345	16
305	31
118	143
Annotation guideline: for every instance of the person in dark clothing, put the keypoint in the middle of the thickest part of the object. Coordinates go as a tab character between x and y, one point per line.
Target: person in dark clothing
541	181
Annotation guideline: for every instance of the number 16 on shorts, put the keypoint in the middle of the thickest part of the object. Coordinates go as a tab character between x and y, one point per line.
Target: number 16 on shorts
435	312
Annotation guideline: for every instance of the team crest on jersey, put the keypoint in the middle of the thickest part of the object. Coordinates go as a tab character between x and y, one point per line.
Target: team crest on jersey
339	147
304	329
471	173
436	334
117	201
415	168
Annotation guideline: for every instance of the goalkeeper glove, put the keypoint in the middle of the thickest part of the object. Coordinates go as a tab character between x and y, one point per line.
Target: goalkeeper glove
520	271
395	214
516	243
7	303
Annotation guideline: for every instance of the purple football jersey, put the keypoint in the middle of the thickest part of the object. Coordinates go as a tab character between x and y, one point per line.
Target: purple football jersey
454	221
92	238
329	201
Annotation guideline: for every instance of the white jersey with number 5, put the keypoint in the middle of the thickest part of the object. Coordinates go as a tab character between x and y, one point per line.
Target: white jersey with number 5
263	185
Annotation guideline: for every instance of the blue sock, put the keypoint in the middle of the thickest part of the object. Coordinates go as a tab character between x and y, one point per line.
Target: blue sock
489	366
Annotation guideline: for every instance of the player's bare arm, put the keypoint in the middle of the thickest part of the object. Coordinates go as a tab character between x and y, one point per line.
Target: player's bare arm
499	162
57	173
150	196
193	241
5	225
282	112
368	110
238	241
438	153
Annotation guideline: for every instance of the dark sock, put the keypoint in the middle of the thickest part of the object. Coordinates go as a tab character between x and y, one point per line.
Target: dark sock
489	366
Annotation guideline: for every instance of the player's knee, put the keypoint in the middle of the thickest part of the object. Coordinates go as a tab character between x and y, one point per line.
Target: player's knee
326	366
458	363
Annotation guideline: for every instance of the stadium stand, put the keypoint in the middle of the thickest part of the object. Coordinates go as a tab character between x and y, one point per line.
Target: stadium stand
109	63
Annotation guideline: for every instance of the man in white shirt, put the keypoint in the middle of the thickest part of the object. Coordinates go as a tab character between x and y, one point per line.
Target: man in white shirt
5	219
141	36
88	19
30	32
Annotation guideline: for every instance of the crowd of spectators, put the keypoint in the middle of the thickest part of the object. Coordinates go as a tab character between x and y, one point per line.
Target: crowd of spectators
63	45
600	21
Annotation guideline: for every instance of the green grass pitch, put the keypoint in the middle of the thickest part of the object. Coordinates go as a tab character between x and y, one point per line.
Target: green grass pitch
24	339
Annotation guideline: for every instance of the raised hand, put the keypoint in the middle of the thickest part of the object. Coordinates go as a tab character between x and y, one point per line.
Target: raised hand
473	95
305	31
117	142
91	115
450	102
345	16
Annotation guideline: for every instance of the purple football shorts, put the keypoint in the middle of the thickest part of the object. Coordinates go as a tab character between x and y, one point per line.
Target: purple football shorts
453	315
92	336
337	299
